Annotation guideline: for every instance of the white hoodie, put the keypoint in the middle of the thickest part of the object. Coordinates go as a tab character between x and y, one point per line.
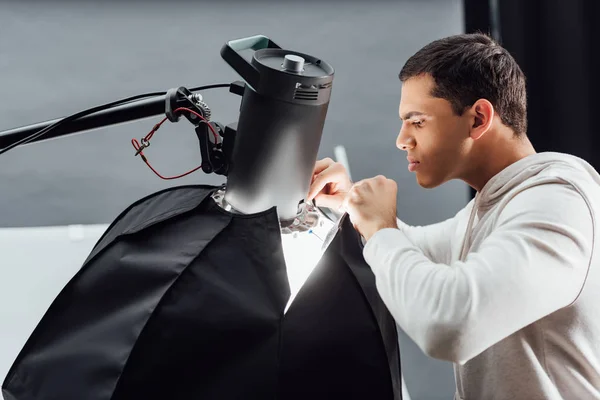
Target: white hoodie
508	289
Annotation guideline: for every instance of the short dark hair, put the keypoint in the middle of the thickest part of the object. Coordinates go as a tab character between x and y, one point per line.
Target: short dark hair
469	67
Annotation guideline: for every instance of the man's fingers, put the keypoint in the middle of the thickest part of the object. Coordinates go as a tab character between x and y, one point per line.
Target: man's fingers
322	165
325	200
335	173
344	206
317	185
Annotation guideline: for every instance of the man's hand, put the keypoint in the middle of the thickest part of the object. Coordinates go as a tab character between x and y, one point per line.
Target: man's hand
330	184
371	205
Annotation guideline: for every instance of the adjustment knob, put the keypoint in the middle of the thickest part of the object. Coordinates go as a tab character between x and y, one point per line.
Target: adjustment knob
293	63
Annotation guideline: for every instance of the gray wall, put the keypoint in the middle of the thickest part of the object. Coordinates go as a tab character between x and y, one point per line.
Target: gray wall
57	58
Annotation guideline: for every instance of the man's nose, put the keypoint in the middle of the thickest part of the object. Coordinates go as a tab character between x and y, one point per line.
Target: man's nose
404	141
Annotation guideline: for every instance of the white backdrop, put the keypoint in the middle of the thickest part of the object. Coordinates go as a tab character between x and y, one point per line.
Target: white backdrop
35	264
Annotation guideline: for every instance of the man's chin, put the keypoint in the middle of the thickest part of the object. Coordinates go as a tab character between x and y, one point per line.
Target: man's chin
427	182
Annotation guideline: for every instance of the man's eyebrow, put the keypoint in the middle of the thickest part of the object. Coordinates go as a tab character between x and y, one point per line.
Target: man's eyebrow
411	114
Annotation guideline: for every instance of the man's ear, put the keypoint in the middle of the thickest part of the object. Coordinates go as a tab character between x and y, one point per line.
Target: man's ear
482	115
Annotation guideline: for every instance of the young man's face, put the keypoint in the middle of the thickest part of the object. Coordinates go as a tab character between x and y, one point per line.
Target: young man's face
432	135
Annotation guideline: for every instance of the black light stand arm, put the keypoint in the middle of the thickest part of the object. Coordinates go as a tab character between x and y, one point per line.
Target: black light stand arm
125	113
129	111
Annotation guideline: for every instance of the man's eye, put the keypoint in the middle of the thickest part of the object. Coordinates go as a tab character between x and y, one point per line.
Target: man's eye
418	124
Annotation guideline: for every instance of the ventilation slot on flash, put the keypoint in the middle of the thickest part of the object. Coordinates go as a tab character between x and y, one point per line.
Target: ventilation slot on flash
303	94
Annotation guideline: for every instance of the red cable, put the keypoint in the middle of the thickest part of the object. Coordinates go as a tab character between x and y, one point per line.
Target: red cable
146	139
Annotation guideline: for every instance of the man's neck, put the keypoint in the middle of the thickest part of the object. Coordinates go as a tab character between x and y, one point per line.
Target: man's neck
495	157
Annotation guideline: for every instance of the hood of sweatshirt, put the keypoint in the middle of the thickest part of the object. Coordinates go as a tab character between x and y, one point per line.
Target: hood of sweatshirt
530	167
532	170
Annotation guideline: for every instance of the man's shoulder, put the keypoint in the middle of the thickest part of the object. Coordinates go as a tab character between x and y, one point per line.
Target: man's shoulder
559	194
565	175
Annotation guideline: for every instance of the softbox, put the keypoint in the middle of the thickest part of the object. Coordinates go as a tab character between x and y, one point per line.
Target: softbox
180	299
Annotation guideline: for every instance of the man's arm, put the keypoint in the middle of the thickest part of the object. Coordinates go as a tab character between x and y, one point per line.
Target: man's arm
534	263
435	240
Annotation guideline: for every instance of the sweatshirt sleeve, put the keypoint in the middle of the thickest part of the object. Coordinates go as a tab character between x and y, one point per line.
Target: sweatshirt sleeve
435	240
533	263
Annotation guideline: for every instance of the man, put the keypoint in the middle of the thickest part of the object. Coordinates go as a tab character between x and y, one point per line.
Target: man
509	288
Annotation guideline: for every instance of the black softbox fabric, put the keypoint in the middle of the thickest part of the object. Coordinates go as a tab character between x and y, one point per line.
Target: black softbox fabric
180	299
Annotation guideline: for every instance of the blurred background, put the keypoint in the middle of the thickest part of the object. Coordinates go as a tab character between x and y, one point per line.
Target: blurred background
60	57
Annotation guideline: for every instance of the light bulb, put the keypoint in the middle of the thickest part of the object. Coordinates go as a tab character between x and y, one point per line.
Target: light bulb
302	251
303	241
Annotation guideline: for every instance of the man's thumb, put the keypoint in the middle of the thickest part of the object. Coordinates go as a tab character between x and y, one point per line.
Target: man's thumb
333	202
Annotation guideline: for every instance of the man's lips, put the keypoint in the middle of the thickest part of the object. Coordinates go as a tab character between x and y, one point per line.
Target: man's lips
413	163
